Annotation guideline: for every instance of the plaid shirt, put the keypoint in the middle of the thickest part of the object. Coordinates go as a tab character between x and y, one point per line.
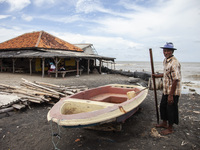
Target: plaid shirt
172	71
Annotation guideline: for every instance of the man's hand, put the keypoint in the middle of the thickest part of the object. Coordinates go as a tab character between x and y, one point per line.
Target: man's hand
170	96
170	99
157	75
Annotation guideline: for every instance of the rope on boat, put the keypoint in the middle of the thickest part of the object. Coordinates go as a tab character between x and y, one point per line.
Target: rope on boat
57	135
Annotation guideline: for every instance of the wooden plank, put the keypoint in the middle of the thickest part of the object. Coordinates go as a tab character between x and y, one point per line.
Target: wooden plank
22	92
68	92
51	86
35	92
48	89
18	106
8	86
32	87
34	101
6	110
62	72
48	84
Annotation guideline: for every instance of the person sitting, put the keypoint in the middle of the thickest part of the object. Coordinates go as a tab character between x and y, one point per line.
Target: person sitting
62	68
52	68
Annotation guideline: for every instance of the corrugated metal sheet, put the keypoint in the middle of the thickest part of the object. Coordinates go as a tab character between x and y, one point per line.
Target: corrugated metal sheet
87	48
6	100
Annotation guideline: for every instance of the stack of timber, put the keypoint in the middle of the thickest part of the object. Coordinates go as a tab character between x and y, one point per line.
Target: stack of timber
18	97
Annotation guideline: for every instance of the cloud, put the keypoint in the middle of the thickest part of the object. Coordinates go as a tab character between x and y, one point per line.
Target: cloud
17	5
61	19
114	27
65	4
88	6
26	17
4	16
141	22
7	34
42	2
92	6
103	45
110	8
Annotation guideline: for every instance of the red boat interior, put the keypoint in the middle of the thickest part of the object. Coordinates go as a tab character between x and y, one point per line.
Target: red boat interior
105	94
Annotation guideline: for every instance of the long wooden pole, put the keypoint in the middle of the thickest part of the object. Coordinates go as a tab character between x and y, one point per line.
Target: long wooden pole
154	84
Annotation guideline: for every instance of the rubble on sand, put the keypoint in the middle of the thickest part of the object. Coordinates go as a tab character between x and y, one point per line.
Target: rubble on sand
18	97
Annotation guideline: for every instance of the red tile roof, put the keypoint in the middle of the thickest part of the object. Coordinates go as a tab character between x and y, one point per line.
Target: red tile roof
38	40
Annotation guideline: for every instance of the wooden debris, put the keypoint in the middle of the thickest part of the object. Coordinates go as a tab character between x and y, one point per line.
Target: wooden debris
68	92
39	86
36	92
18	106
154	133
6	110
47	84
7	100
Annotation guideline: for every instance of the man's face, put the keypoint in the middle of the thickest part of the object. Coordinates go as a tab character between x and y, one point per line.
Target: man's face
167	53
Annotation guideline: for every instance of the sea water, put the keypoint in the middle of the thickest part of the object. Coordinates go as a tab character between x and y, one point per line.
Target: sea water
190	72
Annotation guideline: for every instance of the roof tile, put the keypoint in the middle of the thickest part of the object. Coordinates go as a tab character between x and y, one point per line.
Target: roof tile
38	40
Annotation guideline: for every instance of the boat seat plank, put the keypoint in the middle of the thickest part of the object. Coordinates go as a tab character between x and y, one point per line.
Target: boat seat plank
110	97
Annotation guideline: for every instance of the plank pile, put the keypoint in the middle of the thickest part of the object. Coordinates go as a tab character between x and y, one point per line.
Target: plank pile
36	92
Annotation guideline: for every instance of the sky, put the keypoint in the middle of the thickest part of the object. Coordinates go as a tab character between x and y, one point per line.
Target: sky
124	29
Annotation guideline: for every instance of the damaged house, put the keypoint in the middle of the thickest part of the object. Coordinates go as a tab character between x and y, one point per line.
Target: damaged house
33	52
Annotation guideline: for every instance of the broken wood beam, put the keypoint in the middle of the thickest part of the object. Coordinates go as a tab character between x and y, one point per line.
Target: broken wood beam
4	110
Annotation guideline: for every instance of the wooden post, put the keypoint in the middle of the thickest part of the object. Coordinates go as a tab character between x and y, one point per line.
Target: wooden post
56	63
1	65
77	67
100	64
13	64
88	69
30	60
43	61
154	84
95	62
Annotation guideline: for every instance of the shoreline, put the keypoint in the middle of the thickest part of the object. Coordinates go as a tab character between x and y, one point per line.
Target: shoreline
190	71
188	87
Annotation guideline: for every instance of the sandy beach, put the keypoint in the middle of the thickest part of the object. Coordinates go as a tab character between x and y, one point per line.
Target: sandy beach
29	128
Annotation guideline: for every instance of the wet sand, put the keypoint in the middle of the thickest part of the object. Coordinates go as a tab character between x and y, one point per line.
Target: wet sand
29	129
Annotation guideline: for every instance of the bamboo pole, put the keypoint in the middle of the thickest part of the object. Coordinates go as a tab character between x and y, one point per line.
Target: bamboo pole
45	92
48	84
154	84
48	89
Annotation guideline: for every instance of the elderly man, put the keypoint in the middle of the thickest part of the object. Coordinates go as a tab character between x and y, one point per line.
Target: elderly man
171	89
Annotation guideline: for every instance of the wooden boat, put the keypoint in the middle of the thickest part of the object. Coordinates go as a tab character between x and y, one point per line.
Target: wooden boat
99	105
